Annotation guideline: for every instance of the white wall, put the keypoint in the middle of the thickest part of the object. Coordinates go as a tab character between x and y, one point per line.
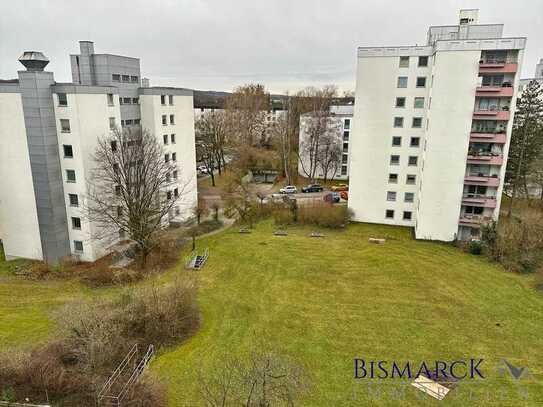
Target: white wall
371	139
19	229
446	145
185	146
89	121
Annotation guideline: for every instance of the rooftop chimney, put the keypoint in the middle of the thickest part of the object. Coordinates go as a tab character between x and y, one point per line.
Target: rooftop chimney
33	61
86	47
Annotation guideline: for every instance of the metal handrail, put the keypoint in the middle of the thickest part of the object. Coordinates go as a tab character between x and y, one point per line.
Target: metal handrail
113	378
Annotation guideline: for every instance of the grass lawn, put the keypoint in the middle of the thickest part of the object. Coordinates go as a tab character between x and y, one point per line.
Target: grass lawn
326	301
323	302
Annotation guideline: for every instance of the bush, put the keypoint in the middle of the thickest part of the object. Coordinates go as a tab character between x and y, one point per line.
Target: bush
97	336
324	214
475	247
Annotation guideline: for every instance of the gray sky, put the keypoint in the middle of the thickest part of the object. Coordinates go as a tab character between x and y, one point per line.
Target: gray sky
218	44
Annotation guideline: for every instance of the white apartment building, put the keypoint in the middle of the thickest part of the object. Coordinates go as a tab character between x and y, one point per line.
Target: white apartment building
538	77
433	125
48	133
340	125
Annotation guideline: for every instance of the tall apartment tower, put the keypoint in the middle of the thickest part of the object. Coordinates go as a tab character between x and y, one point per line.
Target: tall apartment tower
49	132
433	125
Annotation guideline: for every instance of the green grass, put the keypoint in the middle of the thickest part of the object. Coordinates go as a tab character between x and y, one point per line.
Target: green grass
323	302
326	301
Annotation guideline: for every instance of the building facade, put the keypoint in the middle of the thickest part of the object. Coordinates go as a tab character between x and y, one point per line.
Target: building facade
339	125
433	125
49	132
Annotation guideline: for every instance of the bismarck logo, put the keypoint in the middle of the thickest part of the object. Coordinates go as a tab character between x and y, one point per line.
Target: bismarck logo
386	369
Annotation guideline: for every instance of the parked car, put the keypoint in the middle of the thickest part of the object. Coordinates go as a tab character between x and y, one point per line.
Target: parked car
312	188
344	195
340	187
332	197
289	189
202	169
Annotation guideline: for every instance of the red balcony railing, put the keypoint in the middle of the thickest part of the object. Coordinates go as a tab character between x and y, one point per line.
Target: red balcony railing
485	159
497	138
479	200
491	114
494	91
497	67
474	221
481	180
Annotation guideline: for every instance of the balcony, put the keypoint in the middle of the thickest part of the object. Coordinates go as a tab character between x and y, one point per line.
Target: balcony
497	66
479	200
494	91
491	114
473	221
487	159
483	180
490	137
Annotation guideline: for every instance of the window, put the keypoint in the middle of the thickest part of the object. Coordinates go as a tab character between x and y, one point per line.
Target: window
407	215
70	175
411	179
345	147
164	119
62	99
137	121
128	122
402	81
172	119
76	223
170	99
174	175
344	158
176	192
169	195
134	78
347	124
116	168
400	102
174	156
391	196
78	246
165	138
162	99
418	103
172	138
345	136
116	77
393	178
404	62
74	199
398	122
415	142
389	214
396	141
126	78
166	158
118	190
121	101
127	101
409	197
112	124
135	101
417	122
122	234
68	151
423	61
413	160
394	160
421	82
119	211
122	122
65	125
343	170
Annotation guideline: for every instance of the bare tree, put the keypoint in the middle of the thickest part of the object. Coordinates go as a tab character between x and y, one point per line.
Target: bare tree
240	202
330	153
211	142
132	189
264	380
247	109
316	124
200	209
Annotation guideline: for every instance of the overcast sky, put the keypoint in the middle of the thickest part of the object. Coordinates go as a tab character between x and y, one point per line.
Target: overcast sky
218	44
